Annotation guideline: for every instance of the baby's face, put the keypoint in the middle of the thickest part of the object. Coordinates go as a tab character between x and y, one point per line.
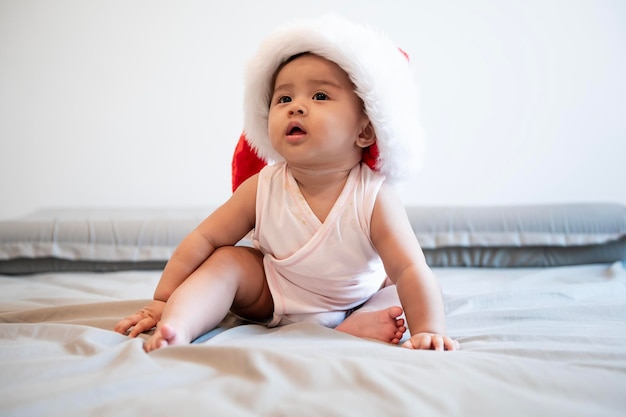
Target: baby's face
316	120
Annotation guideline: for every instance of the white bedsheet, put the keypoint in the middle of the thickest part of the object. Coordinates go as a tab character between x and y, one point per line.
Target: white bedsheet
535	342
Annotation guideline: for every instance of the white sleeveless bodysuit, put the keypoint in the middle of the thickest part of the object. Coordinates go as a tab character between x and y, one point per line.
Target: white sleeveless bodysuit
317	271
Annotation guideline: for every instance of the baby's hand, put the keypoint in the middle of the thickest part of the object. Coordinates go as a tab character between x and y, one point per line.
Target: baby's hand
143	320
431	341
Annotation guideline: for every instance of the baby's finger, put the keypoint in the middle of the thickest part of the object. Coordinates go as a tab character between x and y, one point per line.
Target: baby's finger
127	323
413	343
143	325
451	344
121	327
437	342
421	341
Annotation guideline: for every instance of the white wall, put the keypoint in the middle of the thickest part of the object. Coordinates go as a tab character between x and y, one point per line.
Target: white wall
138	103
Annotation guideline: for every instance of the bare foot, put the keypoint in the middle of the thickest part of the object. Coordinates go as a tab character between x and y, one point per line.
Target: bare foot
165	335
383	325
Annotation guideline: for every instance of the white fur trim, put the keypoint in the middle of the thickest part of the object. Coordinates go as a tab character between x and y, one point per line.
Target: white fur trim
380	72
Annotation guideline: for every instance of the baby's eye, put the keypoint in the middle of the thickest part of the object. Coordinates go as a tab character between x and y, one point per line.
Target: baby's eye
284	99
320	96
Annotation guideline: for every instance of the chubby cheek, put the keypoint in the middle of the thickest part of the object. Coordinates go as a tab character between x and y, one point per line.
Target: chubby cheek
273	130
338	127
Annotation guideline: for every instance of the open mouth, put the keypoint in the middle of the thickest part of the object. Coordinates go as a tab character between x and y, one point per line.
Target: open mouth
295	129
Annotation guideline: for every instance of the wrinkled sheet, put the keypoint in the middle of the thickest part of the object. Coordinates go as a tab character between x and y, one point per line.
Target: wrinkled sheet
535	342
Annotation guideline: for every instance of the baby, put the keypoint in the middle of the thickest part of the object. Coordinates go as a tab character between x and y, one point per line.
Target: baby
331	240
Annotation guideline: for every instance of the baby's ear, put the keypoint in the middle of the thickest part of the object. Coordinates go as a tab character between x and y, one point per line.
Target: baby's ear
367	137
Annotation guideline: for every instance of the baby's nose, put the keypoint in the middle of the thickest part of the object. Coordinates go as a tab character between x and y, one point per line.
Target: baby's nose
297	108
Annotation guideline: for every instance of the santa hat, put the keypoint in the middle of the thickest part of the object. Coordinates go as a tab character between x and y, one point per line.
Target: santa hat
379	71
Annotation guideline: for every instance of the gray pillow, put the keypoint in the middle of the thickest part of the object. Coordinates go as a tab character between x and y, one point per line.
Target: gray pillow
521	236
513	236
94	239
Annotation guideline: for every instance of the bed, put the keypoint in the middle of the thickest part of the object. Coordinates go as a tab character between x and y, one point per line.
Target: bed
536	295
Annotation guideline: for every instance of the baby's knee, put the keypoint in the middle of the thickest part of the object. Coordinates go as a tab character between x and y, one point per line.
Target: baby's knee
236	259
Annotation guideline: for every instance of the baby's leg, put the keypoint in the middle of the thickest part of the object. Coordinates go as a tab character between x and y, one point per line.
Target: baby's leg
379	318
231	278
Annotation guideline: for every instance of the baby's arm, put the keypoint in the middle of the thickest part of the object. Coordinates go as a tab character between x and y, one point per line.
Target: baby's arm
406	266
225	226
